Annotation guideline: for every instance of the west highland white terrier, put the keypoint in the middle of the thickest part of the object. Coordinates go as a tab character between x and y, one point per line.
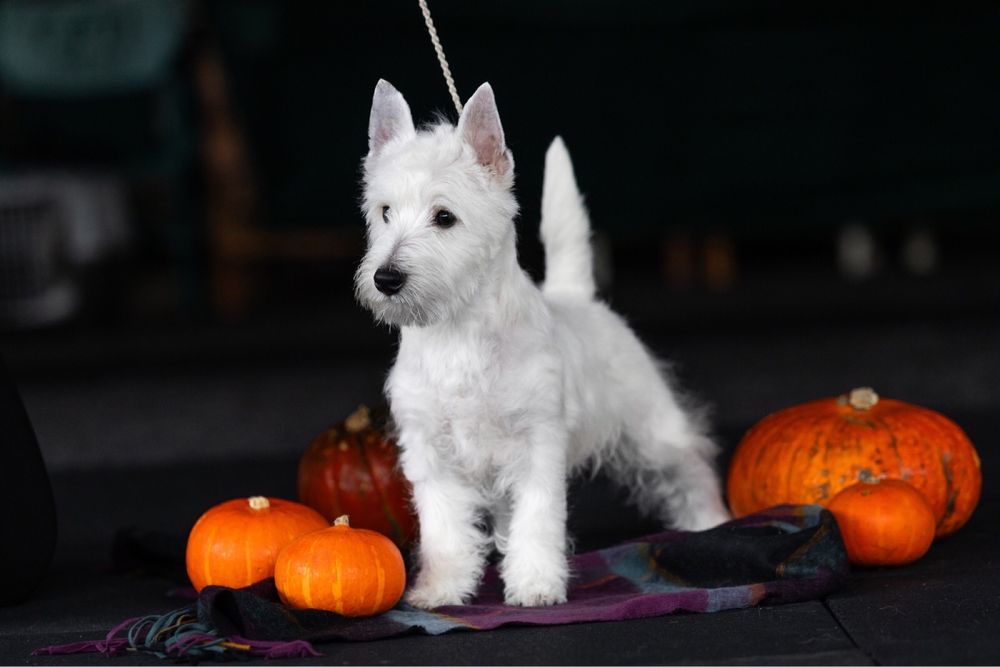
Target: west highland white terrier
501	390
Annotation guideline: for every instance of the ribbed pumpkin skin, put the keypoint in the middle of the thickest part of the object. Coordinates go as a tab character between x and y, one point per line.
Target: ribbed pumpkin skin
351	571
354	472
234	545
885	523
809	452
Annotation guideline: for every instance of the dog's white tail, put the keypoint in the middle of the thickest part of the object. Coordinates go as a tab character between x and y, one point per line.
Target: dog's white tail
565	228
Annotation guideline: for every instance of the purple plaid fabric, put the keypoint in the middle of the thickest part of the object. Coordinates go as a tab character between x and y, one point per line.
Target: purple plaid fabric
787	553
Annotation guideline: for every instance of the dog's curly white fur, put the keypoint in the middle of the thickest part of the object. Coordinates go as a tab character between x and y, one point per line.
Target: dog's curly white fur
500	389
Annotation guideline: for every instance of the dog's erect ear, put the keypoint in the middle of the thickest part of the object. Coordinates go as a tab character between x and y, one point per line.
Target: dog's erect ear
480	127
390	117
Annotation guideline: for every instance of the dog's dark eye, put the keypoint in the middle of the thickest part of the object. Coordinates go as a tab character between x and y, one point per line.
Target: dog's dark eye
444	218
385	214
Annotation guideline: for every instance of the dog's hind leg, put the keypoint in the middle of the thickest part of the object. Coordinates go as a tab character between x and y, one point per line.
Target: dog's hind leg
668	465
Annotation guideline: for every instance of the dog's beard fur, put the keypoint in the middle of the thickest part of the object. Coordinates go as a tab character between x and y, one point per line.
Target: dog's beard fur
424	301
501	389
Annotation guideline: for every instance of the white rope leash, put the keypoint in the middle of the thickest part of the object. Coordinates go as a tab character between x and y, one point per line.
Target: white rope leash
440	54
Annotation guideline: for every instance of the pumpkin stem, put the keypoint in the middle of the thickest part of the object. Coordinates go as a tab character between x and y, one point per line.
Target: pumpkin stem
342	520
258	502
862	398
359	420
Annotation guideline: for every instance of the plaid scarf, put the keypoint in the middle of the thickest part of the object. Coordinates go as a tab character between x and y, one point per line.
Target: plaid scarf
787	553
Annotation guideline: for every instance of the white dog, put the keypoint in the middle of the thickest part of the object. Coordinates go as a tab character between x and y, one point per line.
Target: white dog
500	389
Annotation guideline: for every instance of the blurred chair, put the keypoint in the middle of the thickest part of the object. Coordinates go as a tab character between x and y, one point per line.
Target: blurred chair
241	234
272	180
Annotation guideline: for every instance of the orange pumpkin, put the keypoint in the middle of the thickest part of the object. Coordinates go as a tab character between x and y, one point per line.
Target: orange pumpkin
352	571
883	523
351	468
808	453
236	543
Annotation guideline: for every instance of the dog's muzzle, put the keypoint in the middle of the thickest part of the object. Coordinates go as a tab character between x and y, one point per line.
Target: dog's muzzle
389	280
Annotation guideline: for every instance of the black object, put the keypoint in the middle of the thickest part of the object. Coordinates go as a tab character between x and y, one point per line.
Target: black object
29	534
141	551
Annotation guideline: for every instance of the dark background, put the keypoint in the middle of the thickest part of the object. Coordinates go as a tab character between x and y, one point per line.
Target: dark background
789	201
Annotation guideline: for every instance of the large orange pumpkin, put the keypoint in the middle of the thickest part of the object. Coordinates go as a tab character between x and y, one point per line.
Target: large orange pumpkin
236	543
352	469
809	452
885	522
352	571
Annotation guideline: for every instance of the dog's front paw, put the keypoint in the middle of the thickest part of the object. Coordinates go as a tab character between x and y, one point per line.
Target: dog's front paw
535	594
534	583
534	576
429	597
430	591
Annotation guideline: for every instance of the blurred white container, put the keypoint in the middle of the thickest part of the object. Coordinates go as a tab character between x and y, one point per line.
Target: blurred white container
52	227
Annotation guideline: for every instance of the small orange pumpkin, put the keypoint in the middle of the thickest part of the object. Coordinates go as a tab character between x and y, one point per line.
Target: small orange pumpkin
352	571
236	543
807	453
883	523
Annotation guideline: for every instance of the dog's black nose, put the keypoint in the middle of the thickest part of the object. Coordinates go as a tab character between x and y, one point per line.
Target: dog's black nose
389	280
